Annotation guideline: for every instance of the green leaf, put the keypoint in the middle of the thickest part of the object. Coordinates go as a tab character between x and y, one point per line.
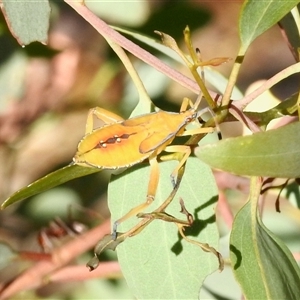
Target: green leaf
262	264
49	181
287	107
27	20
258	16
157	263
290	25
274	153
7	255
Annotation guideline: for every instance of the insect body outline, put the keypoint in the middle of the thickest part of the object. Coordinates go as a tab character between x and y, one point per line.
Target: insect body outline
123	143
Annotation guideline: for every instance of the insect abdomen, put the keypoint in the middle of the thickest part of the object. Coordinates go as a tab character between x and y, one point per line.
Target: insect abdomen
111	147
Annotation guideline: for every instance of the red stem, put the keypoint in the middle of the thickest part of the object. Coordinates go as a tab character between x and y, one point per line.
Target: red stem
35	276
108	33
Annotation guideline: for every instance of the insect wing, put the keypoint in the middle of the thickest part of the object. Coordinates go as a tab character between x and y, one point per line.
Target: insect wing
156	141
164	127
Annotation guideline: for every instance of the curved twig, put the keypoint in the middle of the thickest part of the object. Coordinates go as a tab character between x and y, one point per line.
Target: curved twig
41	272
107	32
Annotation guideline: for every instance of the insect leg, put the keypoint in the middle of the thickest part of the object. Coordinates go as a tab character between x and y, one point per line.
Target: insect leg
152	187
185	103
104	115
185	151
217	127
198	131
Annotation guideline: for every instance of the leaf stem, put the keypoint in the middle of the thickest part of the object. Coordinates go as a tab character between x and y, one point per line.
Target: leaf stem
231	83
107	32
293	69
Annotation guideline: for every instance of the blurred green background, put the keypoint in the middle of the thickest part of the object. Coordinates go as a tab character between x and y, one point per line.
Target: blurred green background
46	92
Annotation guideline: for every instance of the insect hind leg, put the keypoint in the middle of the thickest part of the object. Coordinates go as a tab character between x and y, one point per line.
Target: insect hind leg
152	187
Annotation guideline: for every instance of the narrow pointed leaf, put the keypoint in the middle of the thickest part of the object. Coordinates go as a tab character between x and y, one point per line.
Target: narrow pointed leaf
274	153
258	16
291	30
49	181
262	264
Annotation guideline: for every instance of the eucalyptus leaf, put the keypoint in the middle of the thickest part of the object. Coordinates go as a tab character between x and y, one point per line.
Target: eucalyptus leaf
262	264
288	107
49	181
289	25
28	20
258	16
7	255
157	263
274	153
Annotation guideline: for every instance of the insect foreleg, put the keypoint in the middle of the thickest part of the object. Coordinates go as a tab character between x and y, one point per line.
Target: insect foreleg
104	115
152	187
186	102
217	128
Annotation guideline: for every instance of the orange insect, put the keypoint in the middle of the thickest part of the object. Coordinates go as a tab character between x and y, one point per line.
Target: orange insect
123	143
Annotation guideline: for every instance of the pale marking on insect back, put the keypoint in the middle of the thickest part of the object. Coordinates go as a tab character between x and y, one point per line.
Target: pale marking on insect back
113	140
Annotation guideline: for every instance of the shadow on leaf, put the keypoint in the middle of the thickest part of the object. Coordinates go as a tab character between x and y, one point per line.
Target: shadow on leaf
197	226
238	255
